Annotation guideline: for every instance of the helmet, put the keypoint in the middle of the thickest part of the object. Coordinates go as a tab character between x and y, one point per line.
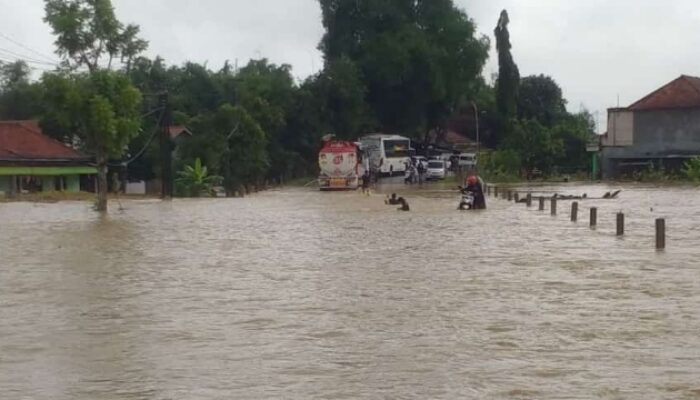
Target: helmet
471	180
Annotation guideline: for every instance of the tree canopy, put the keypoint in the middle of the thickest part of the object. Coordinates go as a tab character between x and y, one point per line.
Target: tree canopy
418	59
400	66
87	31
540	97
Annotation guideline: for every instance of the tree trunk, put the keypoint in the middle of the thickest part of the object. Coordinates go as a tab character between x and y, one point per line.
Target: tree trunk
101	182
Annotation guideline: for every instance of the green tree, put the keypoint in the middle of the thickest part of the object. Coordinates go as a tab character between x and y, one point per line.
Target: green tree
88	32
19	98
246	158
537	147
508	73
540	98
574	131
232	142
101	110
417	59
266	91
342	91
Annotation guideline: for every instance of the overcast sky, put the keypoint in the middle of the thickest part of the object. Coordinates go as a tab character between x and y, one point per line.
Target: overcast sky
596	49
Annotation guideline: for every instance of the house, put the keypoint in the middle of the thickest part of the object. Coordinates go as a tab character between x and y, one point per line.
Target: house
30	160
661	129
176	131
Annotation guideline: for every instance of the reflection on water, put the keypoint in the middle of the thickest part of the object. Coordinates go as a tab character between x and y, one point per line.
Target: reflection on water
299	294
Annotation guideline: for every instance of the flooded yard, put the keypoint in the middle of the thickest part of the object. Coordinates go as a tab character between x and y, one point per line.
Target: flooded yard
302	295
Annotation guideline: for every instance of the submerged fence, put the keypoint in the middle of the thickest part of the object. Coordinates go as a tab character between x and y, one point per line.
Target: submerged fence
513	195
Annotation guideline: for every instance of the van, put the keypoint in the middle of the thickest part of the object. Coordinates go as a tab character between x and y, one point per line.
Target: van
467	160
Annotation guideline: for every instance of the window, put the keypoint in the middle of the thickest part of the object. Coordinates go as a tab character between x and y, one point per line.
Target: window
397	148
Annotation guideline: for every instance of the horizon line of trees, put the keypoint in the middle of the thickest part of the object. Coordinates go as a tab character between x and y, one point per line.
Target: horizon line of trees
394	66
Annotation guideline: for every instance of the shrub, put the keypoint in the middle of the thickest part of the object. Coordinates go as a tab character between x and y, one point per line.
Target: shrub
691	169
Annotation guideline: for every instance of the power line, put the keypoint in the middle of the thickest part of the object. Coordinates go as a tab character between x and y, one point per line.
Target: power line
25	58
27	48
148	142
31	67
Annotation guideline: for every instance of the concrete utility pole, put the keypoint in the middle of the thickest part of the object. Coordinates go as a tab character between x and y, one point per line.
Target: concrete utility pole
166	151
478	139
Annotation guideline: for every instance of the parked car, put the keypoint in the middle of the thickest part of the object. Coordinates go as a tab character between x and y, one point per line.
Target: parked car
437	169
467	160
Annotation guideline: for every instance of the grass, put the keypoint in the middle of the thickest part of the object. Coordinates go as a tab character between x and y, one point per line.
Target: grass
55	197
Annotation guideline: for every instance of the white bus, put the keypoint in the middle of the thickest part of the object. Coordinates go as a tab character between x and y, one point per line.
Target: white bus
388	154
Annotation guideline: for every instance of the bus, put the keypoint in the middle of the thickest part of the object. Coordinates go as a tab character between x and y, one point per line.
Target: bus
388	154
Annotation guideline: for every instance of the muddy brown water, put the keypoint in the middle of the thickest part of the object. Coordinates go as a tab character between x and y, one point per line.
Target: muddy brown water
297	294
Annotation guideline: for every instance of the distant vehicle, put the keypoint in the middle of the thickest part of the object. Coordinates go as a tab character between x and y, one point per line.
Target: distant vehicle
420	159
341	165
467	160
437	169
387	154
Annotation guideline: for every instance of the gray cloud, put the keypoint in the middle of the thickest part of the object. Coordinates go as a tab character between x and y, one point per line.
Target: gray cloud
595	49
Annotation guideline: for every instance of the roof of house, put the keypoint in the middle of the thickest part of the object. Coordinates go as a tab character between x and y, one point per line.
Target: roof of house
683	92
177	130
455	138
24	140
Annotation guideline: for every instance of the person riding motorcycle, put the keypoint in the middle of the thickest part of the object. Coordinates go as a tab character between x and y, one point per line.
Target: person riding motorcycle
475	188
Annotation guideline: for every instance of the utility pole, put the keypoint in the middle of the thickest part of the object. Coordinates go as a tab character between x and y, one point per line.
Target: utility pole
166	151
478	139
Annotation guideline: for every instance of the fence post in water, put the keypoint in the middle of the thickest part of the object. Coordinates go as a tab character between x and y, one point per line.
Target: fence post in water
541	203
510	195
594	217
529	200
553	206
516	197
495	191
660	234
620	224
574	211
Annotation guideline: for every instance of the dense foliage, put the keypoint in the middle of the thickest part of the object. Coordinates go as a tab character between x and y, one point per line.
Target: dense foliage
408	67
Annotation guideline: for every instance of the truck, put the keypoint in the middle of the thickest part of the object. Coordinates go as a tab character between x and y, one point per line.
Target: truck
342	165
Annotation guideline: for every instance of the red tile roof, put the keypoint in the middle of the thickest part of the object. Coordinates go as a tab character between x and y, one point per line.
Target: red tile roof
177	130
683	92
24	140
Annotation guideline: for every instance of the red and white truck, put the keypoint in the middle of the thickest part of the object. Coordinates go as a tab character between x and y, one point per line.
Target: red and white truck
341	164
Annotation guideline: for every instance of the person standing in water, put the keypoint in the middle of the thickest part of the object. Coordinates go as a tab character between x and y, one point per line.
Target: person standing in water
366	180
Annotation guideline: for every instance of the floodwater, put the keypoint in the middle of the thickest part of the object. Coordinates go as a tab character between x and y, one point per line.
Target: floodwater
297	294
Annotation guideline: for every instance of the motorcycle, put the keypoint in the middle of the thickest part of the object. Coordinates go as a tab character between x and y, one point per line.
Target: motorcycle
466	200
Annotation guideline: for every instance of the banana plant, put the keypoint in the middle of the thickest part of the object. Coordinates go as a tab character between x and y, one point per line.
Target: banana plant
195	181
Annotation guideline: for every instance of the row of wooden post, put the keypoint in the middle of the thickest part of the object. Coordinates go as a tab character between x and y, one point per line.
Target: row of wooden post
619	222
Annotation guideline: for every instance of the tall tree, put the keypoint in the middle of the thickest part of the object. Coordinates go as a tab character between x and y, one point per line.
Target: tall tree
508	73
417	59
87	32
103	106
